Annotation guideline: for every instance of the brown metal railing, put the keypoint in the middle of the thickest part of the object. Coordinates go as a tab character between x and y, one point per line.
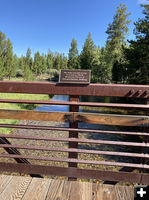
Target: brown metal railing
74	117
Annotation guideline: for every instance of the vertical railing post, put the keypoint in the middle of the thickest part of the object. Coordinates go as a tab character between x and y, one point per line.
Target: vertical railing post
72	134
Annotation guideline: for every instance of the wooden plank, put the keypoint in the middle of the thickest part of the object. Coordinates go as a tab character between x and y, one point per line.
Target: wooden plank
124	192
59	189
110	192
37	189
104	193
16	188
108	119
36	115
86	190
4	181
66	190
119	90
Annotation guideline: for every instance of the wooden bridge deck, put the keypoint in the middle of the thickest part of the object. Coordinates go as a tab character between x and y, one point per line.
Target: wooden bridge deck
27	188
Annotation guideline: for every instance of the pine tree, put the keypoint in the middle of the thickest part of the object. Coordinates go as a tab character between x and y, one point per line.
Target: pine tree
117	32
43	67
57	61
37	63
1	69
138	53
10	69
63	61
2	54
50	59
86	55
100	71
28	59
118	29
73	59
28	76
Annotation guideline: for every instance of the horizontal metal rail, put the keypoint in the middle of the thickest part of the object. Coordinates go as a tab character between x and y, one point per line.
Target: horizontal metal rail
92	104
120	164
90	141
111	153
105	175
111	90
21	126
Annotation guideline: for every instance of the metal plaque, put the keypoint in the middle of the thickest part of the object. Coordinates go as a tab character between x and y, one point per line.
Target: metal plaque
74	76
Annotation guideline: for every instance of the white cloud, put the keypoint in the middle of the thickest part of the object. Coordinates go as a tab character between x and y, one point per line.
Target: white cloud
143	2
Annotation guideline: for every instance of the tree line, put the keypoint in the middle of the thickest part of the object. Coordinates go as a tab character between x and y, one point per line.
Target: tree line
119	61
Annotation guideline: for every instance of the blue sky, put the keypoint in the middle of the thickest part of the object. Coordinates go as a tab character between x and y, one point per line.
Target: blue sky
44	24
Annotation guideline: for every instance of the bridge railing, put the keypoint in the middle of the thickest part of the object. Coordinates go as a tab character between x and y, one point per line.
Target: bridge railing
128	171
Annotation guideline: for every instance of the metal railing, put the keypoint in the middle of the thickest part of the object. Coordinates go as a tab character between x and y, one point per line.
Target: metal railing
74	117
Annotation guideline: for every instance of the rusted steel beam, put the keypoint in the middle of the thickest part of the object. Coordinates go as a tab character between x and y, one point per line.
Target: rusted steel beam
21	126
14	151
74	150
73	160
77	140
138	91
76	172
73	134
74	117
75	103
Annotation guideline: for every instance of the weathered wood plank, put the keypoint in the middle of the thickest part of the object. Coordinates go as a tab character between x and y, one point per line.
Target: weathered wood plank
26	188
86	190
59	189
124	192
37	189
69	190
16	188
4	181
104	193
109	119
36	115
110	192
119	90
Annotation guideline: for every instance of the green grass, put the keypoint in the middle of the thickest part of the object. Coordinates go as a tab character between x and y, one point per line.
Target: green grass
14	79
14	106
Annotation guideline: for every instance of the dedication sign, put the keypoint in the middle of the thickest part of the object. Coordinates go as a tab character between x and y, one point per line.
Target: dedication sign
74	76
